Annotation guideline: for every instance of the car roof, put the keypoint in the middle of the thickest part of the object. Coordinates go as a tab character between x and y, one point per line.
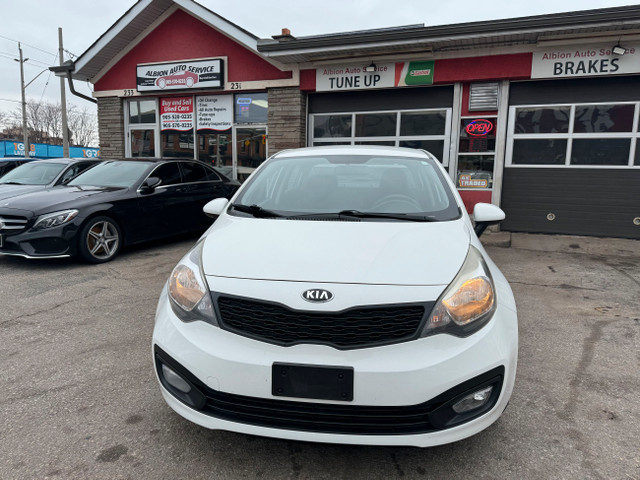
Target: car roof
354	150
67	161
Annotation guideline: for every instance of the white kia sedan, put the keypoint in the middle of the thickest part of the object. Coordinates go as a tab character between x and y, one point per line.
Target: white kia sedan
341	296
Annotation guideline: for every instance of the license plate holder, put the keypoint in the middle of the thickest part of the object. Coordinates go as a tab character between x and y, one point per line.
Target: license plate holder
317	382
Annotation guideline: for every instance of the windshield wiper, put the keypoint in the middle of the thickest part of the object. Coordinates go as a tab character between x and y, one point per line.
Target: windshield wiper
394	216
255	210
12	183
358	214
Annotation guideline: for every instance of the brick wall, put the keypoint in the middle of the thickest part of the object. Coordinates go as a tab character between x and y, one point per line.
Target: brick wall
111	127
287	119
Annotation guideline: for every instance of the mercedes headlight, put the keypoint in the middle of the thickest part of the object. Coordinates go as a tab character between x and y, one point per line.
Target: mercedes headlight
55	219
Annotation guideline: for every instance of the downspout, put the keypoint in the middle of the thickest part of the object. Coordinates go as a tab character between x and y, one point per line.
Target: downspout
67	68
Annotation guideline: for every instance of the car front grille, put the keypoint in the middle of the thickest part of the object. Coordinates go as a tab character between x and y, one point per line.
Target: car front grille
359	327
12	223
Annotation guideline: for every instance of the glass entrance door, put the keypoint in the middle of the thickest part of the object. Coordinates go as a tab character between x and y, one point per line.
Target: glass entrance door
250	149
142	143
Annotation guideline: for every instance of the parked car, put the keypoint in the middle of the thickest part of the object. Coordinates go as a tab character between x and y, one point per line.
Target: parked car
9	163
39	175
342	296
114	204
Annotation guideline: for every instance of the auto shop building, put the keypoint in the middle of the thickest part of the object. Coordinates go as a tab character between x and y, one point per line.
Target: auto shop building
539	115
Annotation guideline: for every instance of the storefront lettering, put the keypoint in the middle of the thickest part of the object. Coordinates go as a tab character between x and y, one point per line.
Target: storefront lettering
354	82
604	65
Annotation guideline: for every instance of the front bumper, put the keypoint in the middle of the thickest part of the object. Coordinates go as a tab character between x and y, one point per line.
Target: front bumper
418	377
56	242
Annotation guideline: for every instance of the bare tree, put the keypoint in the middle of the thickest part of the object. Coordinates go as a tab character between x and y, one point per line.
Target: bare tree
44	122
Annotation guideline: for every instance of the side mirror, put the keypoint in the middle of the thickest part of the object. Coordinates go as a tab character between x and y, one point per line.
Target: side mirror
485	214
215	207
150	184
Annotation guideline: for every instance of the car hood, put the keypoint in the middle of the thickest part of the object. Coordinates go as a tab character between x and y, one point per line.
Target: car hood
59	198
8	191
366	252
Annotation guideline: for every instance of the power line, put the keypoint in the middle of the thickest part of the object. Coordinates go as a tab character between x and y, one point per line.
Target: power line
30	46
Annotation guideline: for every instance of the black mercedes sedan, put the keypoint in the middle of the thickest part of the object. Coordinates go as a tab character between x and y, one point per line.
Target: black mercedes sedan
39	175
114	204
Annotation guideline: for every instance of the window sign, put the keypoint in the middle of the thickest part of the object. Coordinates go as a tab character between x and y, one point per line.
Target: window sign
176	114
478	135
215	113
251	108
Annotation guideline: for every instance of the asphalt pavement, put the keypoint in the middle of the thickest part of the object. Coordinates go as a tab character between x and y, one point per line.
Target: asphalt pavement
79	399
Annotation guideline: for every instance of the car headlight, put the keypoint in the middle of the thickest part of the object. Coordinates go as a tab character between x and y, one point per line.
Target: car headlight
188	291
468	302
55	219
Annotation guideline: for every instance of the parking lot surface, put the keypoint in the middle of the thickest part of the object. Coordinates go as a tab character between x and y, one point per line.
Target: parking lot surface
79	398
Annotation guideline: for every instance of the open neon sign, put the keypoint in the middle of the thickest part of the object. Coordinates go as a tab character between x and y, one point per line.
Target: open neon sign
479	128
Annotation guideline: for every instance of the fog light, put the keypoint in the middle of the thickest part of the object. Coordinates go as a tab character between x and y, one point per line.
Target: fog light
175	380
473	401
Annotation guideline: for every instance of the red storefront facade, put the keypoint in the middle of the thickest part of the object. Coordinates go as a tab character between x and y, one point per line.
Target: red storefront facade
538	115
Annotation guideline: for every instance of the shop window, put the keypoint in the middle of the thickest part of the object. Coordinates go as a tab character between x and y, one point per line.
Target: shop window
177	144
539	152
601	135
386	143
142	143
332	126
251	107
637	160
376	124
422	123
543	120
476	153
422	129
600	151
142	111
603	118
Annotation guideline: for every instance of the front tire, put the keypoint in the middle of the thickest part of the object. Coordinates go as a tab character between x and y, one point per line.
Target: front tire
100	240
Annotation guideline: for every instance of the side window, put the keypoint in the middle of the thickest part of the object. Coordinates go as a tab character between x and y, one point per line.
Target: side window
71	172
169	174
194	172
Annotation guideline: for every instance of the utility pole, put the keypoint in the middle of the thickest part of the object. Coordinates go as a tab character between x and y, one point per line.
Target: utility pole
63	101
24	103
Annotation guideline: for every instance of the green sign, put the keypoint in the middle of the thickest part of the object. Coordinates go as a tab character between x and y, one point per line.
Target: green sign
418	73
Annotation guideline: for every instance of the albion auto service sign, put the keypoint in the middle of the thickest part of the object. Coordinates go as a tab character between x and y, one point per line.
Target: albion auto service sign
584	61
180	75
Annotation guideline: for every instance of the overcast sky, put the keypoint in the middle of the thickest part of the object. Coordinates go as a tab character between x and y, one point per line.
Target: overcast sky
35	23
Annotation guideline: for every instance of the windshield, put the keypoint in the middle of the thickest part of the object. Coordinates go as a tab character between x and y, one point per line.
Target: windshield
113	174
34	173
334	183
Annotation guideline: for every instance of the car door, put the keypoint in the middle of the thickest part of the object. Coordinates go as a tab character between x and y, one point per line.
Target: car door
203	184
161	209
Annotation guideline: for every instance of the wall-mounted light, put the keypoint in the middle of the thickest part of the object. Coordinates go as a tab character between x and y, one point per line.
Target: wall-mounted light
370	68
618	50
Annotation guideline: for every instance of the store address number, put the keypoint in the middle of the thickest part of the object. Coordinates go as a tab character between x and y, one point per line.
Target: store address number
131	92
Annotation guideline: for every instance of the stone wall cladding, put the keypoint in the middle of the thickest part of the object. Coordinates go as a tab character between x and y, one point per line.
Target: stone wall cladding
287	119
111	127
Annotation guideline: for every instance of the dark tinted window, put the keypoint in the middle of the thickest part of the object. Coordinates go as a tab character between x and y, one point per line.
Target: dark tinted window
603	118
196	172
169	174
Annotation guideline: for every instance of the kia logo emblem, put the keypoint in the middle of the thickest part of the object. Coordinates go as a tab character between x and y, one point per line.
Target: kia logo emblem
317	295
